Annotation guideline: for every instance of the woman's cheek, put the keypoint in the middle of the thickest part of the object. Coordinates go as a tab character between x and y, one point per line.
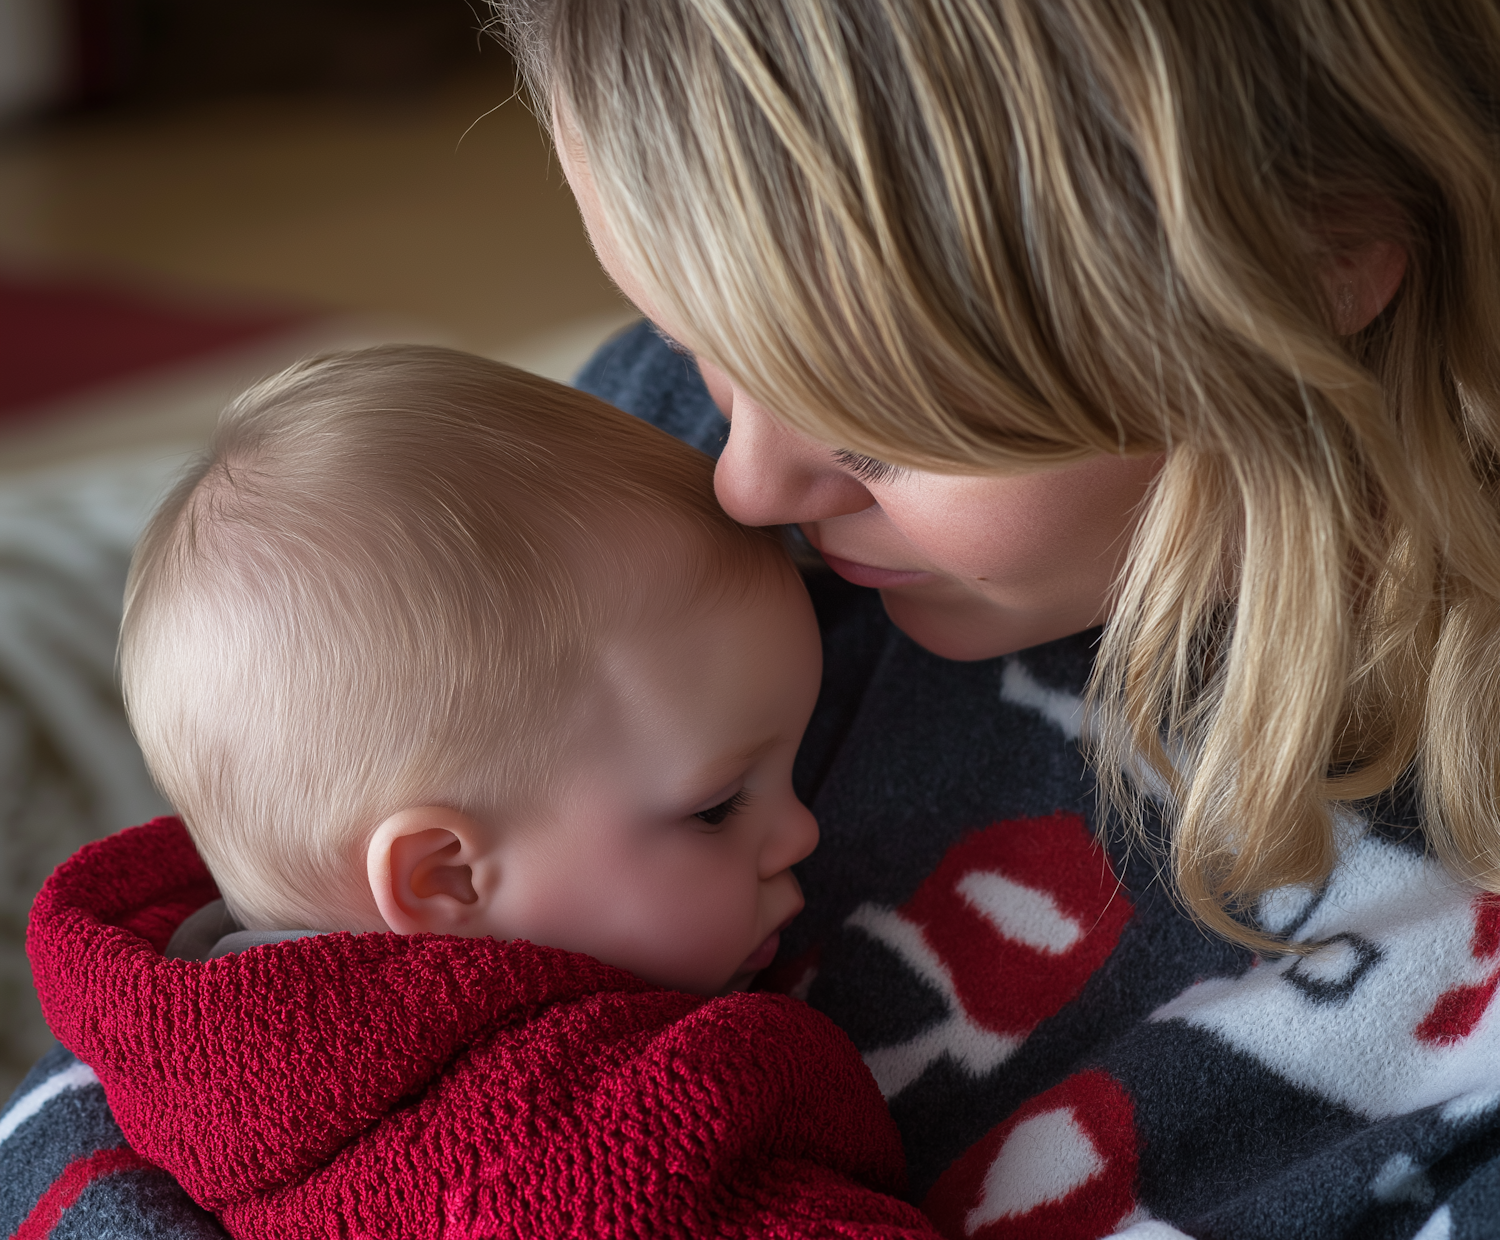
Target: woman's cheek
1057	525
964	533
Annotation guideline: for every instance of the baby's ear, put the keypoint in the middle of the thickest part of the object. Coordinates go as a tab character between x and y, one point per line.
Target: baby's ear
421	870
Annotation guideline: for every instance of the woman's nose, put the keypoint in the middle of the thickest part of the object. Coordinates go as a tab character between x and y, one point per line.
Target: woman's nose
770	474
794	836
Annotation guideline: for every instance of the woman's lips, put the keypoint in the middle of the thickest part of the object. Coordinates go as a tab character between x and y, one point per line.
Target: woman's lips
869	575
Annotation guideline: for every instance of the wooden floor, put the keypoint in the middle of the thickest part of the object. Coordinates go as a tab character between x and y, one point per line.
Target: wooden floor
444	209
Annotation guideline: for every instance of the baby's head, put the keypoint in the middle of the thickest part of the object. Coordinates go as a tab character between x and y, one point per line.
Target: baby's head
430	644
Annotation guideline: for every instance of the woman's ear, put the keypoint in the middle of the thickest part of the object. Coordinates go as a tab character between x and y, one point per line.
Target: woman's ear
421	869
1361	282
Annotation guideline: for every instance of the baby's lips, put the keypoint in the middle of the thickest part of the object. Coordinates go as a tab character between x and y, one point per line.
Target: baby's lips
762	956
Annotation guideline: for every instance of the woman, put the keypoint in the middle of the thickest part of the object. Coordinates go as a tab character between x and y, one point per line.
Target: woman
1180	317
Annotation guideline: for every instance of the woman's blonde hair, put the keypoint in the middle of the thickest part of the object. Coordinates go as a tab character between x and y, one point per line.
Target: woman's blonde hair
957	234
383	586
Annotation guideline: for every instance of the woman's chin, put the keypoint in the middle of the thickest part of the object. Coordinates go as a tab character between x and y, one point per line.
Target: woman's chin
970	630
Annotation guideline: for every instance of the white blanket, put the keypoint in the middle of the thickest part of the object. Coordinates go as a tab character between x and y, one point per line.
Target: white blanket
69	770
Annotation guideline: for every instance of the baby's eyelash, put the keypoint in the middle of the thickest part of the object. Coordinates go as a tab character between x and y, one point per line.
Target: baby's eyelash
671	342
866	468
716	814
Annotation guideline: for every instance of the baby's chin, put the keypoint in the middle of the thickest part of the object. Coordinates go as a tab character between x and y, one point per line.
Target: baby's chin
742	980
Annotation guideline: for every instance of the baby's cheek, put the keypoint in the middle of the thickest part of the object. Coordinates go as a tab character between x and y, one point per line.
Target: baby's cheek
716	916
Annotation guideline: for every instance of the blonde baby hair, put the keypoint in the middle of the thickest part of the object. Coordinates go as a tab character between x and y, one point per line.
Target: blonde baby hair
962	234
383	586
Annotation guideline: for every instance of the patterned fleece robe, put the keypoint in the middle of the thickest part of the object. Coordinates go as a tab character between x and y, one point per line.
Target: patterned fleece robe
425	1086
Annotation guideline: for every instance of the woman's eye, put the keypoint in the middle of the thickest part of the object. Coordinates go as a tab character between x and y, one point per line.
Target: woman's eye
716	814
865	468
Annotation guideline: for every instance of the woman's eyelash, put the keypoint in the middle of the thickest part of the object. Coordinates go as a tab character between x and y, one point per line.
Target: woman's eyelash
671	342
865	468
716	814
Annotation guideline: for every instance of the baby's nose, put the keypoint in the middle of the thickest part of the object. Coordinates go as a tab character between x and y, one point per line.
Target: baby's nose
795	836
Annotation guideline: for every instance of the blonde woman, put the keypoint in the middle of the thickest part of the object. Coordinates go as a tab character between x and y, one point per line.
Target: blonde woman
1177	319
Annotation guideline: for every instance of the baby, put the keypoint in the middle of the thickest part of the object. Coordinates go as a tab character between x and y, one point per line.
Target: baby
430	645
472	666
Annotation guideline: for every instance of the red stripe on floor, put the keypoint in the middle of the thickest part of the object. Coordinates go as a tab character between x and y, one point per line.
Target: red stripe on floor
59	337
65	1190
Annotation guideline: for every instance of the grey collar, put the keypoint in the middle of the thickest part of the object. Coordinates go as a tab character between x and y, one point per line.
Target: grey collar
212	931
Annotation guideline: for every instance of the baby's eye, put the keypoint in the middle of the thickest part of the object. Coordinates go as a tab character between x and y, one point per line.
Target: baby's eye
865	468
716	814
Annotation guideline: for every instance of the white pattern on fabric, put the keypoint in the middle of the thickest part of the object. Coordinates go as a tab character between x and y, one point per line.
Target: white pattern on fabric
1047	1157
1438	1227
1062	709
1375	1018
1151	1229
29	1104
1020	913
1401	1179
978	1049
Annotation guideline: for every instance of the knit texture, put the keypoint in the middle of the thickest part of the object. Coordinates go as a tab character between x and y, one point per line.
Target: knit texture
429	1086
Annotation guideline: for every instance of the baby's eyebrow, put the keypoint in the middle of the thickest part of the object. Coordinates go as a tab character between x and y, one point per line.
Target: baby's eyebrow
755	751
737	759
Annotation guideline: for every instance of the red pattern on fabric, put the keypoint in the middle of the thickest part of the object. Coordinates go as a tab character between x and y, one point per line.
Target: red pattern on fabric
425	1086
1458	1011
1486	941
1004	984
69	1186
1092	1104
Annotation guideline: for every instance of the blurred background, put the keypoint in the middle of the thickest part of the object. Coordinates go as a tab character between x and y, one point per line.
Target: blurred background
193	195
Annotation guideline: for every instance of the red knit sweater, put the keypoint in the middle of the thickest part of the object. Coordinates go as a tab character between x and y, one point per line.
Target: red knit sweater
423	1086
